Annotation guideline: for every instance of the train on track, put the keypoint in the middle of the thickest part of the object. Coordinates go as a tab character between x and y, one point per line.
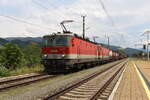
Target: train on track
63	52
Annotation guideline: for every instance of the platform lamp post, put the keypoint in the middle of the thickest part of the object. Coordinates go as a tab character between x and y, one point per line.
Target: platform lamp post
147	32
140	44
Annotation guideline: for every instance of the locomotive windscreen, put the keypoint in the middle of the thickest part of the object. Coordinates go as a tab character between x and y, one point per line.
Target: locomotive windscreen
56	41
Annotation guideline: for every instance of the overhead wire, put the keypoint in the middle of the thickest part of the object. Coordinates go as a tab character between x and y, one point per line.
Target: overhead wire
51	5
106	12
46	8
40	27
109	17
57	14
39	4
23	21
68	10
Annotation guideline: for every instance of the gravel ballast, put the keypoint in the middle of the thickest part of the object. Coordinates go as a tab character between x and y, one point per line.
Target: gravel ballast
36	91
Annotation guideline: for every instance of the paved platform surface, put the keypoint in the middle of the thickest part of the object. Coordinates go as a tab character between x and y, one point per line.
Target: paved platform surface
144	67
130	87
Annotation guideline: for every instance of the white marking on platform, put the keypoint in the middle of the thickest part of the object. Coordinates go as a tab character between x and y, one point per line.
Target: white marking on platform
116	86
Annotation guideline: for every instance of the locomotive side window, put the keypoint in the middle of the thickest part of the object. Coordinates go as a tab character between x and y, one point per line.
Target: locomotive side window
61	41
56	41
47	42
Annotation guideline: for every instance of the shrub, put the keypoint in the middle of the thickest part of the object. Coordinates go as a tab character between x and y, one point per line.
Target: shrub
11	56
32	54
26	69
4	71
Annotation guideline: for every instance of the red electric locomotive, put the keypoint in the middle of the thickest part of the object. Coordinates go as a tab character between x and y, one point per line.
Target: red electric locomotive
65	51
62	52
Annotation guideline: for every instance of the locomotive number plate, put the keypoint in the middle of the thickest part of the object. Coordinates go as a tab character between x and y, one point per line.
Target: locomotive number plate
54	50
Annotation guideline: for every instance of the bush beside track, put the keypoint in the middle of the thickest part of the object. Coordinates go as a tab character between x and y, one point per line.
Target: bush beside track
15	60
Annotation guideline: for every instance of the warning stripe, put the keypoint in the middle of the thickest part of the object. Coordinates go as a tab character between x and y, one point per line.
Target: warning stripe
146	87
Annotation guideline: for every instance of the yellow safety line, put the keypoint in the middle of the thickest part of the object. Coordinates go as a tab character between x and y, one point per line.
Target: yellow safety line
143	83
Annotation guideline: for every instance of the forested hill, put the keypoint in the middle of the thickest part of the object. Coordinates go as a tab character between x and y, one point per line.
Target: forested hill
24	41
25	57
21	41
3	41
128	51
36	39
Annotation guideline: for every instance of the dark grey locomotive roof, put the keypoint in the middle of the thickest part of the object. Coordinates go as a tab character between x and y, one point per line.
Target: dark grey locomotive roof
71	35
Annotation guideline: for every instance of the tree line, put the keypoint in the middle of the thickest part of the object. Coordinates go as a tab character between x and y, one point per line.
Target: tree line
13	56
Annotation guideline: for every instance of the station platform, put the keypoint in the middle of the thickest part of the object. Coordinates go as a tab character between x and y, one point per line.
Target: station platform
144	66
130	86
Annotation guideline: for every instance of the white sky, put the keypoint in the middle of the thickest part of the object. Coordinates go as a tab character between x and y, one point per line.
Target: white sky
41	17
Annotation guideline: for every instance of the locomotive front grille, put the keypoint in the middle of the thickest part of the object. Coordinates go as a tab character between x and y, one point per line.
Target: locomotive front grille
54	62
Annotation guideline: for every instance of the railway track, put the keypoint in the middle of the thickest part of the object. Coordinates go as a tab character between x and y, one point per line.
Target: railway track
95	87
6	84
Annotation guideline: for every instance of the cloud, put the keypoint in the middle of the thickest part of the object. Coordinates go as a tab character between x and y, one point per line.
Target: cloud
129	16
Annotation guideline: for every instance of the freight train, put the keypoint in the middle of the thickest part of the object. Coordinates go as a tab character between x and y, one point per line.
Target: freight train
63	52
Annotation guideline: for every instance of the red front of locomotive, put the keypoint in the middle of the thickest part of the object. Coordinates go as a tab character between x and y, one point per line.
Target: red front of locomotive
55	52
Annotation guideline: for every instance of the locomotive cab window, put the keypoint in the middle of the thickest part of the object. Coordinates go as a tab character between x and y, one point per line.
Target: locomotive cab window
56	41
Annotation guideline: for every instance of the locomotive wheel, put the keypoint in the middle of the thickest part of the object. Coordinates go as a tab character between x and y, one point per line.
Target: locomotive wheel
79	66
85	66
75	68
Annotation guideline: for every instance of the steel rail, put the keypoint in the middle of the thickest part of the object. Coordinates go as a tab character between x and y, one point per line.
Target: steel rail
16	79
23	81
106	84
76	84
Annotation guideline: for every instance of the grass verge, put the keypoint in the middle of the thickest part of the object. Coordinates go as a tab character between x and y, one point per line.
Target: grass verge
23	70
4	72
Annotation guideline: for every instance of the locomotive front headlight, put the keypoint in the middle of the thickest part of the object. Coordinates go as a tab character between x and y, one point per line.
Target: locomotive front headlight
63	55
45	55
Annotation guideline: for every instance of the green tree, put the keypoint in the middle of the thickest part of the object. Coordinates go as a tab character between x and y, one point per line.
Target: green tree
1	56
11	56
32	54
